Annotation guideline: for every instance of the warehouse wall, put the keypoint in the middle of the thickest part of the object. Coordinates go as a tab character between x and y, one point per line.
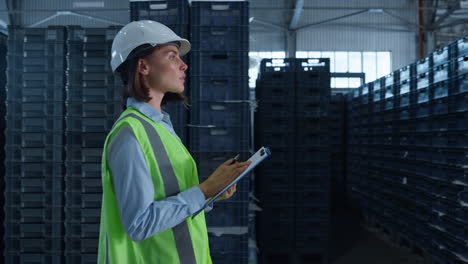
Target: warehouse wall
363	32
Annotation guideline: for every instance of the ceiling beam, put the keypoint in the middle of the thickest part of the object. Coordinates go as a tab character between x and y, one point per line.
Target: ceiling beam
448	12
297	14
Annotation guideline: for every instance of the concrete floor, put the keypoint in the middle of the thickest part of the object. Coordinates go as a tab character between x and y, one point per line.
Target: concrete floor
353	244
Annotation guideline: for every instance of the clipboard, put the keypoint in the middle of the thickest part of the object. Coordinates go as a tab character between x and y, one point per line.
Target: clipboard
256	159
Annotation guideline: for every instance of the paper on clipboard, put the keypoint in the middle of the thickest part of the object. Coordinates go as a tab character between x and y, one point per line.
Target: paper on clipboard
256	159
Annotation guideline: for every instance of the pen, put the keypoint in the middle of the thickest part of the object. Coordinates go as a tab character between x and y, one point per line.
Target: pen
235	159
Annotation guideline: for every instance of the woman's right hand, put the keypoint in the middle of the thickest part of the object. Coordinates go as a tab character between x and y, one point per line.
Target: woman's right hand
222	177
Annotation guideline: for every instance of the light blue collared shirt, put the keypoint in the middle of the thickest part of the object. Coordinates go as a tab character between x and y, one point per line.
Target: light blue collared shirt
141	216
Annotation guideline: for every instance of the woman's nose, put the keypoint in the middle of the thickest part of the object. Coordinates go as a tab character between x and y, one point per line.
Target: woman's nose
184	66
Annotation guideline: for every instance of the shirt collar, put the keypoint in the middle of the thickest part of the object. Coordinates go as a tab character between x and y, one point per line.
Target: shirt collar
148	110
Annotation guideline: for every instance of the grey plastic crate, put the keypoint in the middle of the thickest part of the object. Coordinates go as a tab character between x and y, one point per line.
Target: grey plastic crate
27	258
219	139
81	245
85	140
83	200
39	169
36	109
34	140
33	200
14	183
15	214
83	170
82	215
220	113
91	125
85	110
37	94
96	94
17	153
80	258
82	230
84	185
36	230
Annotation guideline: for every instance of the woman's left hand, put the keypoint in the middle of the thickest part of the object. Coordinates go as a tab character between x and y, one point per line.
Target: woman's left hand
228	194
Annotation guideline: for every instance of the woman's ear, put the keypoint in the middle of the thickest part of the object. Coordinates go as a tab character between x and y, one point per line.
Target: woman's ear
143	66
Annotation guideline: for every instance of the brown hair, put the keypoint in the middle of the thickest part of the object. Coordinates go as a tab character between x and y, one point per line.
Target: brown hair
134	87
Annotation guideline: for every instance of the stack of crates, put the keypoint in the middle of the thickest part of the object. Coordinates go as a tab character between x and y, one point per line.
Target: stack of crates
92	104
292	118
416	169
220	114
337	117
34	138
3	65
175	15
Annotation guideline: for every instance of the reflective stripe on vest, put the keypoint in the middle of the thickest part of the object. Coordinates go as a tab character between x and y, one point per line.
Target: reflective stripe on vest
171	186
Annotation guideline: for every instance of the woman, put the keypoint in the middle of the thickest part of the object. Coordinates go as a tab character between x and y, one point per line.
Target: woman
150	181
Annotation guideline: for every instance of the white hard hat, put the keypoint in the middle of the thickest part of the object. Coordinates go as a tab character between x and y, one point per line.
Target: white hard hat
137	33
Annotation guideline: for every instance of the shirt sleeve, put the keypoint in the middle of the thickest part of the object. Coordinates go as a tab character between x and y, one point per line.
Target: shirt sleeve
141	216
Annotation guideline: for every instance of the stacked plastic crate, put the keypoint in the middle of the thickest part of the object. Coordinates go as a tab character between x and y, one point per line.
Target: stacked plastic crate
337	117
418	154
93	104
447	175
175	15
292	118
220	114
34	145
313	182
275	181
3	65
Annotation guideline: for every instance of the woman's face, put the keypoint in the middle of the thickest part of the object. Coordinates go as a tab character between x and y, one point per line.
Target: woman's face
166	70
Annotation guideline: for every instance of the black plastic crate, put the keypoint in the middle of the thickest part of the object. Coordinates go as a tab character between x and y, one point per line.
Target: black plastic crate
20	63
271	182
81	245
79	258
423	65
305	66
219	113
84	185
219	87
460	47
407	72
83	200
96	94
219	139
18	94
166	12
276	87
213	38
85	140
37	109
107	110
219	63
91	125
219	13
36	79
33	245
92	79
440	90
311	110
95	63
228	248
91	35
272	137
34	140
17	153
276	66
82	215
55	33
177	113
82	230
15	214
440	56
459	66
83	170
33	200
423	80
36	230
39	169
457	103
39	258
226	213
459	84
441	73
53	183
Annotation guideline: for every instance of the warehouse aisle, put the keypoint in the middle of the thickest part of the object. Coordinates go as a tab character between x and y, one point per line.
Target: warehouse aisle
352	244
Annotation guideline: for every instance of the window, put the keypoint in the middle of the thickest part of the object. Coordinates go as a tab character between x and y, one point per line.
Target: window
373	64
